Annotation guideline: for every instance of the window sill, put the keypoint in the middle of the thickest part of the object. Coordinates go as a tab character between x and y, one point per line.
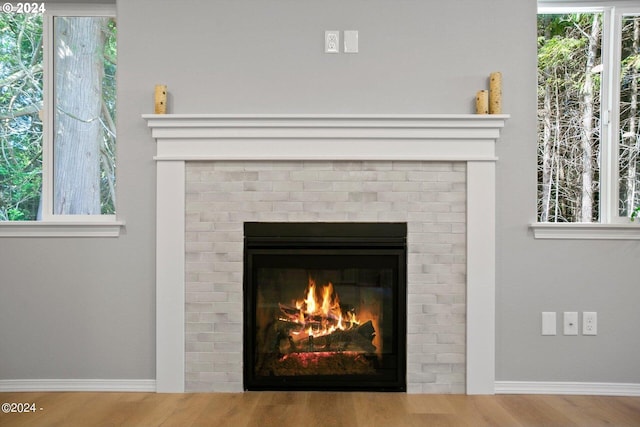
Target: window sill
586	231
60	229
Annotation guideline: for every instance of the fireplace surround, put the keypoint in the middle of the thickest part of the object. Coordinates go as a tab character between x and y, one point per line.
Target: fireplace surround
407	138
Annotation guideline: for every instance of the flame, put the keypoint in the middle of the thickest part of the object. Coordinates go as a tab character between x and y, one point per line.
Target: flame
320	313
310	301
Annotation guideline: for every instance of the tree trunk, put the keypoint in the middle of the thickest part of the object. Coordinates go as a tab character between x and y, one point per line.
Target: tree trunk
78	133
556	150
586	209
547	147
633	139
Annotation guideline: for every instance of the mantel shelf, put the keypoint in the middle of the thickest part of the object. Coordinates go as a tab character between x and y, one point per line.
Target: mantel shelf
455	137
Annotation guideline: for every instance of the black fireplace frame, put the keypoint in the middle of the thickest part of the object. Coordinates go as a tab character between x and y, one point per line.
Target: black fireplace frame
388	239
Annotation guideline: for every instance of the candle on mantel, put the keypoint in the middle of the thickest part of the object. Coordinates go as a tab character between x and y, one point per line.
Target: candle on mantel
161	99
495	93
482	102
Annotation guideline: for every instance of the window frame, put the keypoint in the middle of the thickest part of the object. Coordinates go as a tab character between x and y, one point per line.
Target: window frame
52	225
611	224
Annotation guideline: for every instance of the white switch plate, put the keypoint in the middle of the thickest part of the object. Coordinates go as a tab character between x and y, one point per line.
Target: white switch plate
332	41
548	323
589	323
571	323
350	41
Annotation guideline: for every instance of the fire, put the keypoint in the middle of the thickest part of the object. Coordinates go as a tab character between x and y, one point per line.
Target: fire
320	313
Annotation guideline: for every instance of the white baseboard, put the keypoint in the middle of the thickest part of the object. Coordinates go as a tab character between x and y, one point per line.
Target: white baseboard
78	385
501	387
575	388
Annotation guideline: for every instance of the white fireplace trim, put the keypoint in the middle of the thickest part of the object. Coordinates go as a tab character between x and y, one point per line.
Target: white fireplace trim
322	137
469	138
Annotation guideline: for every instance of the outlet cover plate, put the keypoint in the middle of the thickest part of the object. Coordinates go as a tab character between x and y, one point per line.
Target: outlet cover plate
332	41
350	41
589	323
571	323
548	323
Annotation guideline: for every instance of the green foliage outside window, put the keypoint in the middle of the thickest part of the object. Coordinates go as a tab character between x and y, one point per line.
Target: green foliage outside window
20	124
21	105
629	150
570	71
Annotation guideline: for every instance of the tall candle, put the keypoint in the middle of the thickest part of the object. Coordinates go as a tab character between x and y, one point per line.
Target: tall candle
161	99
495	93
482	102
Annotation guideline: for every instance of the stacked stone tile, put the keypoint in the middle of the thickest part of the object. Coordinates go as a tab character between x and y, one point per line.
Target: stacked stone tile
429	196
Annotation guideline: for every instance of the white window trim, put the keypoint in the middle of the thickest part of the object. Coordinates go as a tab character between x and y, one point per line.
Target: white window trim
60	225
585	231
611	225
60	229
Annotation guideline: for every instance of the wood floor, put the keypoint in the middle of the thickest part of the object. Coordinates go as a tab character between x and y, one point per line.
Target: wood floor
311	409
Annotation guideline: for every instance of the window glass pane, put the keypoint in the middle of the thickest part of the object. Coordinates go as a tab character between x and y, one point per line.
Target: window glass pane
84	123
629	166
20	124
569	73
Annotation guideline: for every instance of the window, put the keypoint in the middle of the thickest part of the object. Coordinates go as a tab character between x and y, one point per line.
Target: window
588	116
629	117
57	115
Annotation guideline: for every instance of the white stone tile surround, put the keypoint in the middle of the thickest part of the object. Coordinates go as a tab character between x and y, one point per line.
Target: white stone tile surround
429	196
402	138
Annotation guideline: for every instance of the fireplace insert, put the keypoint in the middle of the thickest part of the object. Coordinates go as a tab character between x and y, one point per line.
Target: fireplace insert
325	306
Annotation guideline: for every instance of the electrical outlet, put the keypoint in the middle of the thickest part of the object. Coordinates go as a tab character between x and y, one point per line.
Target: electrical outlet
571	323
332	42
589	323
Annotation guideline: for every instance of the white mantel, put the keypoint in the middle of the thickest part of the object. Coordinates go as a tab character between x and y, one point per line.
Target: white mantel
190	137
324	137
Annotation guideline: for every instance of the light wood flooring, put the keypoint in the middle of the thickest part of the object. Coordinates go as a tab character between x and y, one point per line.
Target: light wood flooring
311	409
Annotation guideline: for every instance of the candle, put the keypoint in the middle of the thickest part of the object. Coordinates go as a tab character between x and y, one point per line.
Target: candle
482	102
161	99
495	93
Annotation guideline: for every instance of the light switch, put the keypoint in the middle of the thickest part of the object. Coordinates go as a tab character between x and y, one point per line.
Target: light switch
548	323
351	41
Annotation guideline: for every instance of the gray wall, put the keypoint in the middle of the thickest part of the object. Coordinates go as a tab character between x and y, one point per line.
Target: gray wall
84	308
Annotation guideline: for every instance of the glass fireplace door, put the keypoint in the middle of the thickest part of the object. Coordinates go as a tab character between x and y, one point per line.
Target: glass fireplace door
325	315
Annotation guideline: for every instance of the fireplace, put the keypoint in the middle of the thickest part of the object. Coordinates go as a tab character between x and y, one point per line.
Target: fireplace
224	148
325	306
